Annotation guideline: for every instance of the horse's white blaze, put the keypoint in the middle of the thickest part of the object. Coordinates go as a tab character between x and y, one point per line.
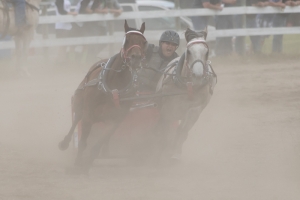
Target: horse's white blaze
198	69
197	52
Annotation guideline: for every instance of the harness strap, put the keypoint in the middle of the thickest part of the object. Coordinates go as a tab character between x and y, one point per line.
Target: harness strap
116	98
189	86
153	96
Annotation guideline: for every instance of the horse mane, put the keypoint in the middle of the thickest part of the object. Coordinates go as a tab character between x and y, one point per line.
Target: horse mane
190	34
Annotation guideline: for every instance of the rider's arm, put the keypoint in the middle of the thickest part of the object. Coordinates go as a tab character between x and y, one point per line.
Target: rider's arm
116	8
279	4
260	3
84	7
60	7
229	1
96	4
207	4
292	3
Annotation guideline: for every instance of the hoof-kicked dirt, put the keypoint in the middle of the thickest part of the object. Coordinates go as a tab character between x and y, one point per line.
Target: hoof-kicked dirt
245	146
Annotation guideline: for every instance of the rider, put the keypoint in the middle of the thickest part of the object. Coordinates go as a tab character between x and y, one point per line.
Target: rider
20	14
158	57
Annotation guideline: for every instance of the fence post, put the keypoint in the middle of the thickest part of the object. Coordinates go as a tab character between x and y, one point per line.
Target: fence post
178	25
111	30
45	31
244	26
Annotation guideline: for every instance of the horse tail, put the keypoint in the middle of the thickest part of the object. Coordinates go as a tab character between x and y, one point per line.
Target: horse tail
5	15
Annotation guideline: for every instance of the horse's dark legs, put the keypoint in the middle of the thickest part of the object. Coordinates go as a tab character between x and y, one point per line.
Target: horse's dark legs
63	145
98	146
77	108
182	132
161	140
86	129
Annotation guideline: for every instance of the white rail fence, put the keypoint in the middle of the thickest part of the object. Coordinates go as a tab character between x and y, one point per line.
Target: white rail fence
158	14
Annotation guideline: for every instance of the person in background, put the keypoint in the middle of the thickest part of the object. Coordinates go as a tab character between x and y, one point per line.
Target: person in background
278	20
251	22
223	44
293	19
63	30
238	41
88	6
112	6
200	22
95	28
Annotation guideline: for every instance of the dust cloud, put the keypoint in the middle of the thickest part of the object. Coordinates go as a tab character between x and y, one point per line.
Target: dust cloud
246	144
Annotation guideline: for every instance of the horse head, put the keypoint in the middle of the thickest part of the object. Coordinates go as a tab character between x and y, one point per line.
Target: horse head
196	55
134	46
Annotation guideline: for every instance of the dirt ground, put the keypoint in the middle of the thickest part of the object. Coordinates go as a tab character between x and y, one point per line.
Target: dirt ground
245	146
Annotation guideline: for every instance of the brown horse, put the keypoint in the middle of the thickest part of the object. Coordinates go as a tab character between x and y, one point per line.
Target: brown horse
194	80
23	39
98	97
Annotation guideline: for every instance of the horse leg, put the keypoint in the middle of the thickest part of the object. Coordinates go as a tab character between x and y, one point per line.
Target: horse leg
77	107
64	144
86	129
95	150
182	132
160	140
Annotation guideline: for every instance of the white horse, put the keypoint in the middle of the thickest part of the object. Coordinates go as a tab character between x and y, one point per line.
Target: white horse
192	81
22	40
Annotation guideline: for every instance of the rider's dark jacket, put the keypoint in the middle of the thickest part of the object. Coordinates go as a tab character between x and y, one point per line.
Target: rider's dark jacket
148	79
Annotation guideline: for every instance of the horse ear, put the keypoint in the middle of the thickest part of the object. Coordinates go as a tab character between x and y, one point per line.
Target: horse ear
205	32
126	27
142	29
186	34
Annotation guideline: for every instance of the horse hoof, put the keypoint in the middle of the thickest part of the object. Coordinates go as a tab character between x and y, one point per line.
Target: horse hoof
63	145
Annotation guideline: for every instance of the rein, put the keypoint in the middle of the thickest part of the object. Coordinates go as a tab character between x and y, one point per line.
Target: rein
158	71
153	96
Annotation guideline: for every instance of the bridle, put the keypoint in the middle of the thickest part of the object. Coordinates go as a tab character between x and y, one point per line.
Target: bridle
183	63
124	53
204	63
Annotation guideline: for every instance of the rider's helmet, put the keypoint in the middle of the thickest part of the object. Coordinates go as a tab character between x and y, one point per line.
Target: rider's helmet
170	36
